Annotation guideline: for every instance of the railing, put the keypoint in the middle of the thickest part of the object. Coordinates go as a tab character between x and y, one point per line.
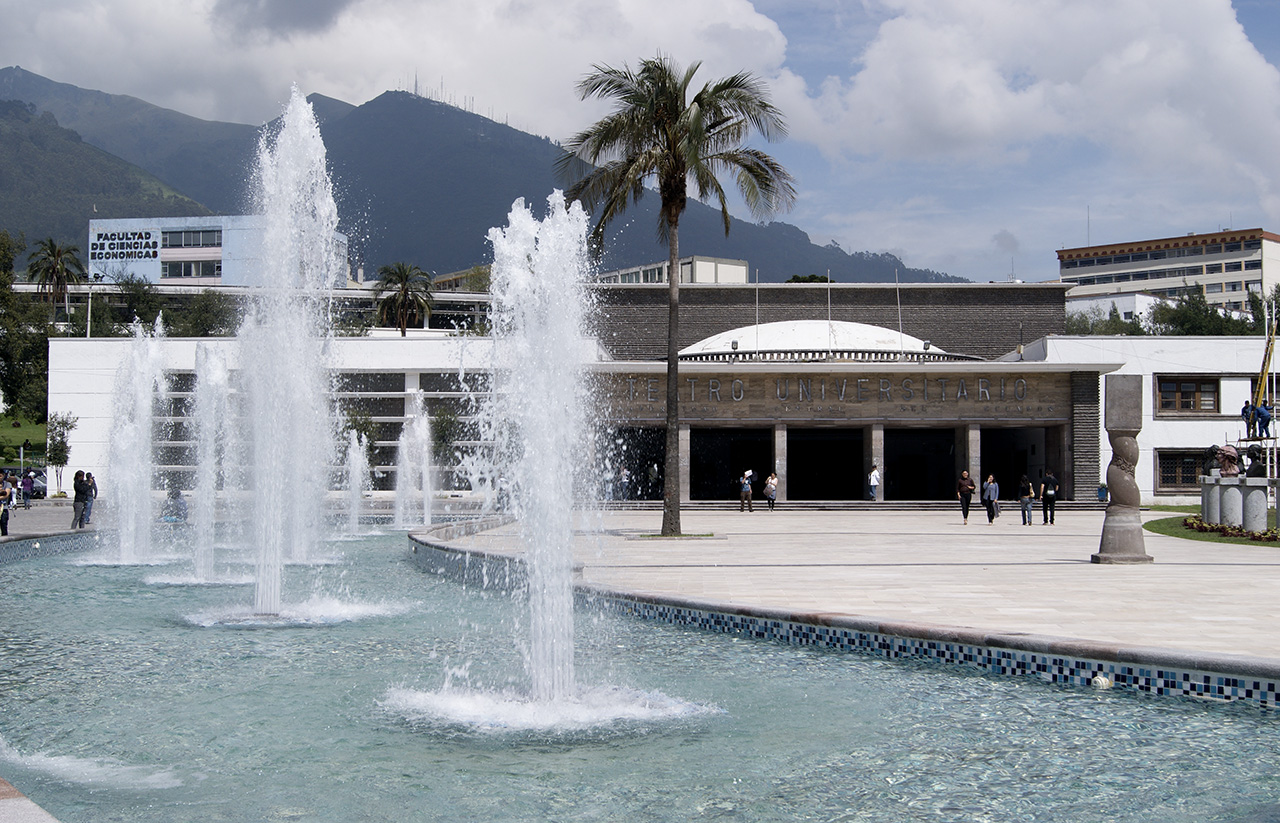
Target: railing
826	355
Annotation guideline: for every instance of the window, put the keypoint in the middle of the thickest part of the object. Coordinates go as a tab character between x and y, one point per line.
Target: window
1212	288
1234	266
1231	247
1252	265
1254	286
1215	248
1250	245
193	239
191	268
1187	395
1213	268
1235	286
1177	470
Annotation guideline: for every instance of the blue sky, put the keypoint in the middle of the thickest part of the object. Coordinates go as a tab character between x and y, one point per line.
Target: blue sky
974	137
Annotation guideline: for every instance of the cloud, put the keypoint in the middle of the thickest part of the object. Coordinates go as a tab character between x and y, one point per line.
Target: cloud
279	18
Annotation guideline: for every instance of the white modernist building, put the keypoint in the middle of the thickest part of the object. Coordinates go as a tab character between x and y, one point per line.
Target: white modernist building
1194	389
217	250
694	269
1225	266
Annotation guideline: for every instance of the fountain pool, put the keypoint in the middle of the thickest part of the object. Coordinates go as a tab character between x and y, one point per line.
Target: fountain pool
119	706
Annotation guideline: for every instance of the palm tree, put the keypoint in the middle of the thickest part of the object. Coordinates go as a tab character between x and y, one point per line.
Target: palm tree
660	132
55	268
405	292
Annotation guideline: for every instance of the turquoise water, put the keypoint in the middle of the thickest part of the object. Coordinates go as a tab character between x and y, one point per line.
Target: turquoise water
127	701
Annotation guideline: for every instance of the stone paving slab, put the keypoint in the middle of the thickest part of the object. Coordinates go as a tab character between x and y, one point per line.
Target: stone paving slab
929	568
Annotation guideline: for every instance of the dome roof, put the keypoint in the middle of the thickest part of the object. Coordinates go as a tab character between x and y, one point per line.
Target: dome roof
807	336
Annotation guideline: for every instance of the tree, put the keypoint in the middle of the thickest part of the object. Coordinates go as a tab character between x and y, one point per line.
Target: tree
808	278
209	314
405	294
57	449
24	349
140	298
55	268
1092	321
1193	315
659	132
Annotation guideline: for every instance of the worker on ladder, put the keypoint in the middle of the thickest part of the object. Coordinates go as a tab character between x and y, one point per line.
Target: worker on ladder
1263	414
1248	414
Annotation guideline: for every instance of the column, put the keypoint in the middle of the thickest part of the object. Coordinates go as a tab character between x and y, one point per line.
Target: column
683	434
877	455
973	449
780	458
1122	541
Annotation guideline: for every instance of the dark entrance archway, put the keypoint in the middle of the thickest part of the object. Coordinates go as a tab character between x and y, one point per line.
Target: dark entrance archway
919	464
642	452
1011	453
824	464
717	458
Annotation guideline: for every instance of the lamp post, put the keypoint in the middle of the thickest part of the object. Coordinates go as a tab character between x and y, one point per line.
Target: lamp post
88	317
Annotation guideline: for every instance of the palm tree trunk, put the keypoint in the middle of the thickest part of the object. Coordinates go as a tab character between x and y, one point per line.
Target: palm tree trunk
671	476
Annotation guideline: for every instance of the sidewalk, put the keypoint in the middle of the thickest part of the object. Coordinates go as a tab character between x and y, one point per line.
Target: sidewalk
45	517
928	568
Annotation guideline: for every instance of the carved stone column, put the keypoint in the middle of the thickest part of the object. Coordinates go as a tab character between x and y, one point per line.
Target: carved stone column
1122	541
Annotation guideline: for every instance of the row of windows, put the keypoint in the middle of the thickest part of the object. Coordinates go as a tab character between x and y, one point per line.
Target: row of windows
1178	470
1161	274
193	239
191	268
1162	254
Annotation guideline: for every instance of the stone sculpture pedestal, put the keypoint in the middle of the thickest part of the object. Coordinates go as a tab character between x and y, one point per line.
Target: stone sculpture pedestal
1122	540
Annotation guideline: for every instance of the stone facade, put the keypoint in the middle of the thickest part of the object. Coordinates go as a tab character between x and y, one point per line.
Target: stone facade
983	320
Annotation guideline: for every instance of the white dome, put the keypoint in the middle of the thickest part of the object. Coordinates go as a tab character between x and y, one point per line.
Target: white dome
808	335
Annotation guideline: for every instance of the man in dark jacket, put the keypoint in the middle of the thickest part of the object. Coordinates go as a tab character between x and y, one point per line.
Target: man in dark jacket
82	490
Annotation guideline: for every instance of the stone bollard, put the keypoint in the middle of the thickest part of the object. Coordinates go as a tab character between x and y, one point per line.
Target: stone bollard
1210	499
1231	509
1254	491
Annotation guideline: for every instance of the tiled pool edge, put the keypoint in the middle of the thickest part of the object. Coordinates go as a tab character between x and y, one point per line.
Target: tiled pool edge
1070	661
25	548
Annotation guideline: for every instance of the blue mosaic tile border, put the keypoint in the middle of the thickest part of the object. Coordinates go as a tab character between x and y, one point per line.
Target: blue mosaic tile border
12	551
1150	671
1047	667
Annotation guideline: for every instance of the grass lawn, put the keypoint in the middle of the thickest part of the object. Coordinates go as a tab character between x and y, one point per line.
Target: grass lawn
11	437
1172	526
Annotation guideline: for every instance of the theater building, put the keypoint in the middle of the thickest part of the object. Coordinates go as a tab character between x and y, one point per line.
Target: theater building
815	382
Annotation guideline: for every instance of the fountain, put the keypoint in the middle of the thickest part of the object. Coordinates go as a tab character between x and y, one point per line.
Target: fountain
140	387
537	415
284	337
357	464
413	464
215	432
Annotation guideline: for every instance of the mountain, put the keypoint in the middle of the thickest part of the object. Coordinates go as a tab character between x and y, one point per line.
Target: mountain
206	160
52	183
422	182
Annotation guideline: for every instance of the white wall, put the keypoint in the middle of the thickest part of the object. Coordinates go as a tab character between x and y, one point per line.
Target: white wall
1235	361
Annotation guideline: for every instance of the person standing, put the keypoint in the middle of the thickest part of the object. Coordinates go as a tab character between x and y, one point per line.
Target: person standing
991	498
93	495
28	486
744	496
1026	498
964	493
1250	420
82	489
771	489
1048	496
1264	419
6	503
873	480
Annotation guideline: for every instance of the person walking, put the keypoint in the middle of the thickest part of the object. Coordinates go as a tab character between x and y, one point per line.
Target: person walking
28	486
964	493
771	489
1048	496
82	490
991	498
873	480
744	496
93	495
1026	498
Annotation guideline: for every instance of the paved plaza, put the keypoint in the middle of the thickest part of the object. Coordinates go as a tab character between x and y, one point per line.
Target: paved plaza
929	568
